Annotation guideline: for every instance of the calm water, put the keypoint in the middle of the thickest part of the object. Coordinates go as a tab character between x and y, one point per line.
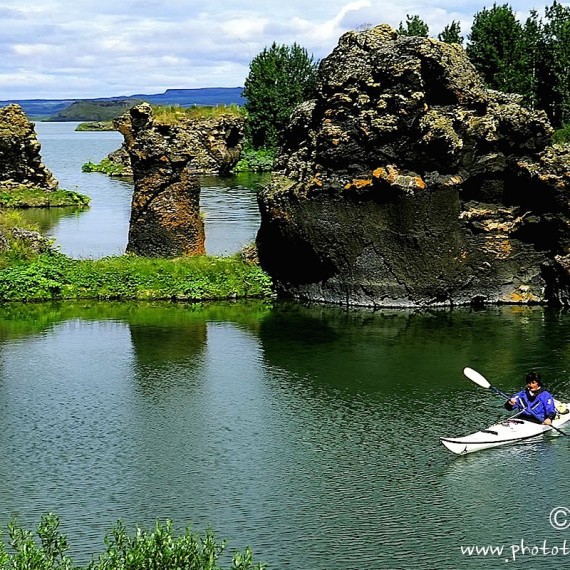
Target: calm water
309	433
229	205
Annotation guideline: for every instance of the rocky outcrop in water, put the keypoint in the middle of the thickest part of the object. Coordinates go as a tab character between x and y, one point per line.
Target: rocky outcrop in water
214	145
165	214
406	183
20	159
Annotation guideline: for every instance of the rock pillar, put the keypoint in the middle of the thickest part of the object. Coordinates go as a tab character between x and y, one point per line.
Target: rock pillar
165	215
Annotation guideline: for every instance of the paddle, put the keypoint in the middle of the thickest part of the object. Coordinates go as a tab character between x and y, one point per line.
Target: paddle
480	380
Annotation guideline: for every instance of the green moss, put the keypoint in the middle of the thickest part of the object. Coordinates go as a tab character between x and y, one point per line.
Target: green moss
106	166
96	126
24	196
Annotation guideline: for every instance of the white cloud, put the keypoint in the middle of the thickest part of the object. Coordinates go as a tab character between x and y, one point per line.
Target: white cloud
87	48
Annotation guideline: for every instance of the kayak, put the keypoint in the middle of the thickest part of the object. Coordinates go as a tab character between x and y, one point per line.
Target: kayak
512	430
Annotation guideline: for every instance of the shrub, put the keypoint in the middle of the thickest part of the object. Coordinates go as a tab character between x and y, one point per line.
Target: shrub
255	161
158	549
562	135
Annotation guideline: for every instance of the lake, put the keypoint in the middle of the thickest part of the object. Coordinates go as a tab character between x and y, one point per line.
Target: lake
310	433
229	205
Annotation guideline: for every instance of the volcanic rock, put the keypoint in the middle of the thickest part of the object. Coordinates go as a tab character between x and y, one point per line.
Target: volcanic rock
405	182
20	159
165	213
213	143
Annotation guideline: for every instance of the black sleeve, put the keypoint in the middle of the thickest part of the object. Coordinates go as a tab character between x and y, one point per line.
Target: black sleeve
508	405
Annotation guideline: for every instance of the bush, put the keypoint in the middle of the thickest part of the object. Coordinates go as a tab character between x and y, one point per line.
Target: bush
255	161
562	135
158	549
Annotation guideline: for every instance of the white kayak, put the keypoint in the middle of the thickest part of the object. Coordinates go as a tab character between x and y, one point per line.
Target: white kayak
512	430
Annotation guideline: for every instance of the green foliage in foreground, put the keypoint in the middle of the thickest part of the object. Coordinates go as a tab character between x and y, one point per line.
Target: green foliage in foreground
54	276
158	549
106	166
32	197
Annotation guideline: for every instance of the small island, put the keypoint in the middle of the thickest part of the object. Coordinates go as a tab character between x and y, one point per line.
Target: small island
32	268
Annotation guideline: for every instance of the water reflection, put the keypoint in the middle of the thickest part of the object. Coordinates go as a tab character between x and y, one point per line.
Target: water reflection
229	204
277	425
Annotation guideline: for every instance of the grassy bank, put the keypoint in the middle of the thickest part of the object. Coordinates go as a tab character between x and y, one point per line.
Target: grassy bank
54	276
25	196
157	549
171	114
106	166
96	126
32	270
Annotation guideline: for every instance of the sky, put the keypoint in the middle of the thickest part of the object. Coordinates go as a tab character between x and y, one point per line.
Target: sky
73	49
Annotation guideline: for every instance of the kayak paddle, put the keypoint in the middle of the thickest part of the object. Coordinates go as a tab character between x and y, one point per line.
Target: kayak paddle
480	380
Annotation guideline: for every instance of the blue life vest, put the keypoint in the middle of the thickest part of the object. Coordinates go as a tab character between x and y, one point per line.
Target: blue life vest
541	406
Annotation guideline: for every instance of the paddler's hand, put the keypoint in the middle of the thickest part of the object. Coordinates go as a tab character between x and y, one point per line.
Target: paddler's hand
547	421
513	401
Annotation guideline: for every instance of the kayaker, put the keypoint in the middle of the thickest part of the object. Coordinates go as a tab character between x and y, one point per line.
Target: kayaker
536	403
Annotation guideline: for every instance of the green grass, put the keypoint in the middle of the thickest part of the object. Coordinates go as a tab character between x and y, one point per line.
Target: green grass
96	126
31	270
171	114
24	196
53	276
106	166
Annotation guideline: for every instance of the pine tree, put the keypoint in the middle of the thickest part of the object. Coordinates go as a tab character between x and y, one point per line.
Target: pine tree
279	78
451	34
495	48
554	71
415	26
531	54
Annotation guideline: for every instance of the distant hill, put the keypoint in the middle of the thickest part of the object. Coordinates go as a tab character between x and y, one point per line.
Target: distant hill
90	110
53	109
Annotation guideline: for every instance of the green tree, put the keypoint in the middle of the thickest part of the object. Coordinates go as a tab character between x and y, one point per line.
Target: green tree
415	26
554	71
279	79
451	34
531	58
495	48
